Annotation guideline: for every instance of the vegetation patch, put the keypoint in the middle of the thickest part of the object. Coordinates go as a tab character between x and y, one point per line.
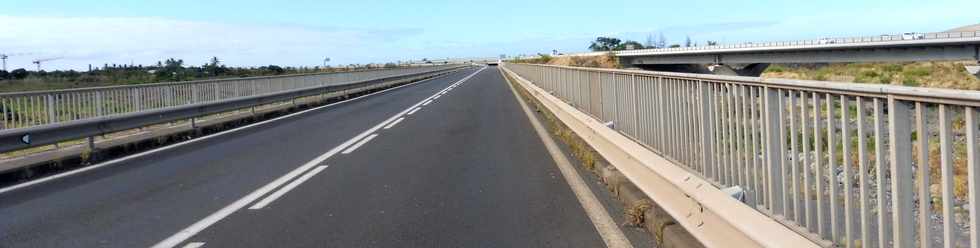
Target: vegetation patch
948	75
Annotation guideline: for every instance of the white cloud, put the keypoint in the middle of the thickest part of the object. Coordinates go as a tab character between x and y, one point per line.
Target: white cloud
145	40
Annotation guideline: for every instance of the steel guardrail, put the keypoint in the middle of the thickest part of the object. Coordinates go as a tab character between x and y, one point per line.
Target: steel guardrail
222	96
853	164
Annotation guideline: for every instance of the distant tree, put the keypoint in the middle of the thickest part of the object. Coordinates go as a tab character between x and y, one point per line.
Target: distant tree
712	43
172	63
675	45
19	74
275	69
687	41
4	74
214	67
629	45
649	43
604	44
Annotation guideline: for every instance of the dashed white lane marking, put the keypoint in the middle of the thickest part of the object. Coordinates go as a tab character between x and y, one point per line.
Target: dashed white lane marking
282	191
413	111
194	245
394	123
427	102
359	144
604	224
202	224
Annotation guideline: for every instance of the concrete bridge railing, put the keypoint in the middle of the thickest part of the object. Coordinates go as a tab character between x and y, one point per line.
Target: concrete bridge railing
854	165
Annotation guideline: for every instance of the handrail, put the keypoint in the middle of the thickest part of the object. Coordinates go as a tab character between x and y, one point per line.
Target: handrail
815	156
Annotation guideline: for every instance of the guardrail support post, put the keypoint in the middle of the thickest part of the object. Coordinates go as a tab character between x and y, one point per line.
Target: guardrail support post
774	149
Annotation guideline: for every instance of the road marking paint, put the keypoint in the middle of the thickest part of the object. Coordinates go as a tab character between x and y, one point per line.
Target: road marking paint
413	111
200	225
604	224
359	144
427	102
395	123
192	141
194	245
437	97
282	191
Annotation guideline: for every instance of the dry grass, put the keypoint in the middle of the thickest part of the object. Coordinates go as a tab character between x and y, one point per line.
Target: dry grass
605	61
949	75
635	215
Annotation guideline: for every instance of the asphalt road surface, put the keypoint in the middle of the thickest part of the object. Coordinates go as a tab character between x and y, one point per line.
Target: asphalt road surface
448	162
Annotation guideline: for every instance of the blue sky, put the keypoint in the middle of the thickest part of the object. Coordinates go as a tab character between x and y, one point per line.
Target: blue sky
298	33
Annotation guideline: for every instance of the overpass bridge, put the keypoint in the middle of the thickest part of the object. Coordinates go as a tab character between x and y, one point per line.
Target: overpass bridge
456	155
751	59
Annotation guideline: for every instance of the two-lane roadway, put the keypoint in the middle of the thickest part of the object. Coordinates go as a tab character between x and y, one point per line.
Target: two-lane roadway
448	162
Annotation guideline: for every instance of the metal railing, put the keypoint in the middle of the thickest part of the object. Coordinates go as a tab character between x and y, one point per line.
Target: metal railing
854	164
28	109
798	43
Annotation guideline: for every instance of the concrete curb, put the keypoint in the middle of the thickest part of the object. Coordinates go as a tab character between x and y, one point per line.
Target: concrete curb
640	210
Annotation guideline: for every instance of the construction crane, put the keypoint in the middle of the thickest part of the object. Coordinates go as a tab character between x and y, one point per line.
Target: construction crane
4	56
39	61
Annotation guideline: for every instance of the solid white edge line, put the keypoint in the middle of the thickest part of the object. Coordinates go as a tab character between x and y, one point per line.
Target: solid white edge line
413	111
192	141
285	189
194	245
427	102
396	122
604	224
437	97
200	225
359	144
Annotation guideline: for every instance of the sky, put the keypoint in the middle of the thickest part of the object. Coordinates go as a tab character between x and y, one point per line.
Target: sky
303	33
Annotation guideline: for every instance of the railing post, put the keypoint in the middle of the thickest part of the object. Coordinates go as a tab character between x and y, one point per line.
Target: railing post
973	175
660	115
194	93
636	111
774	149
52	115
138	99
901	168
99	109
707	130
